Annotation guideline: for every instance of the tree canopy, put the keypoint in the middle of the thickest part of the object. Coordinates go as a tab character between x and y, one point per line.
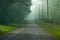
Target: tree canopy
13	11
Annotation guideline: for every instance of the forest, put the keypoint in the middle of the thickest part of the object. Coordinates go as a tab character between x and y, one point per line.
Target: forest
49	16
14	12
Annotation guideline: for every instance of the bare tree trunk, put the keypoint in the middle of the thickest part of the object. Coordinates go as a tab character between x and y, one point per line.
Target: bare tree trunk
42	10
47	11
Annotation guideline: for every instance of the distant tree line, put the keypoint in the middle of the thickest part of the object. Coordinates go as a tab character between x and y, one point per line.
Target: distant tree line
50	11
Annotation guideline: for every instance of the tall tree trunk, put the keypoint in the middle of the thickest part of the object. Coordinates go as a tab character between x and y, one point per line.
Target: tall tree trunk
47	10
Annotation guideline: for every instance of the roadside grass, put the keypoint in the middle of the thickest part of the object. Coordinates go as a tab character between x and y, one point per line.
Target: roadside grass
52	28
4	29
8	28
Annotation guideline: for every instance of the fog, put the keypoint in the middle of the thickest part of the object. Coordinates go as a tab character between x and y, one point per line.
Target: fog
36	4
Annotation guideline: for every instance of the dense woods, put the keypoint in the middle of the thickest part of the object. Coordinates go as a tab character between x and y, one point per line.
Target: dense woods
49	17
13	11
50	12
46	13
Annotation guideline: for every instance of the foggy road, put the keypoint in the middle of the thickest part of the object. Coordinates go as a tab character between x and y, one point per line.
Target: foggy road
29	31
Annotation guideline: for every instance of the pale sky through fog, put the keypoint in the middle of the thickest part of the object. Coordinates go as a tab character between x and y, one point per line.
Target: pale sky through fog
34	9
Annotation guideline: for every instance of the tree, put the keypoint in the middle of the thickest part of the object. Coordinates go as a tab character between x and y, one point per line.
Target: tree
13	10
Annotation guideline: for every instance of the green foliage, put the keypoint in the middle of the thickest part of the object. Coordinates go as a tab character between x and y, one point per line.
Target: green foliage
13	11
52	28
4	29
51	12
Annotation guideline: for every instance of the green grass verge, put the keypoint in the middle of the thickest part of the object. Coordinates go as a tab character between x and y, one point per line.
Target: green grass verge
52	28
8	28
4	29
